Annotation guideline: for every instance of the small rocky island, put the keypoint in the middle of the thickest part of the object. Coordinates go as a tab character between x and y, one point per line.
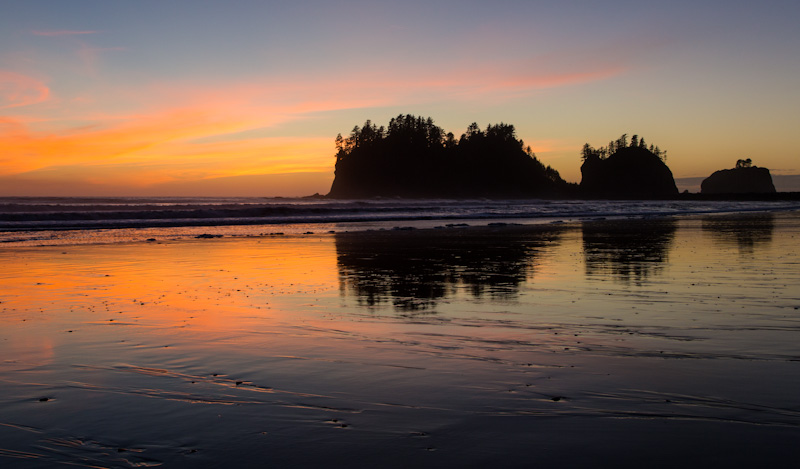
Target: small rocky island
414	158
626	170
743	179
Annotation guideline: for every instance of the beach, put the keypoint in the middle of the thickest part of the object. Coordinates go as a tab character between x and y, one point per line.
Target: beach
619	342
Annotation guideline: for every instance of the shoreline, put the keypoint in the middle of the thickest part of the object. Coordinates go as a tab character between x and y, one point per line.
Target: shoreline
176	231
785	195
80	222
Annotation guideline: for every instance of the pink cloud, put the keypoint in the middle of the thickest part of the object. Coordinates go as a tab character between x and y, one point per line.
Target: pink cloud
497	81
169	131
293	96
21	90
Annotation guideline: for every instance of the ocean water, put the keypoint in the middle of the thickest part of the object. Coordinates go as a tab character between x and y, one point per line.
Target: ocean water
59	220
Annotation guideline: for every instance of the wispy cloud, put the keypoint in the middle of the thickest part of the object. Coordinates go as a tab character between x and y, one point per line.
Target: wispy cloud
188	131
62	33
21	90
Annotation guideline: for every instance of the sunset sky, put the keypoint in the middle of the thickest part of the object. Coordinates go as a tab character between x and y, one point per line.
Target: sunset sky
246	97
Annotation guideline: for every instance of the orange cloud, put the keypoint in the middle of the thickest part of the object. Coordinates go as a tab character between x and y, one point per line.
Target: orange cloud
157	148
187	133
26	150
186	161
183	132
20	90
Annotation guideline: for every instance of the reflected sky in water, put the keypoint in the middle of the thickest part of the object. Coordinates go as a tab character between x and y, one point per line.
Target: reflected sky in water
748	234
628	254
413	270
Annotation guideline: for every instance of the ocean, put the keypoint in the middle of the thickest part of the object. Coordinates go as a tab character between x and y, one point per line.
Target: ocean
80	220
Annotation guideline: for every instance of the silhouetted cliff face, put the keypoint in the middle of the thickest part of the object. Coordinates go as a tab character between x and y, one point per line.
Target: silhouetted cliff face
522	178
628	173
753	180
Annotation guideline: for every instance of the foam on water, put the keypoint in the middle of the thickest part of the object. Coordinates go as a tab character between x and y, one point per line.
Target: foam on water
34	221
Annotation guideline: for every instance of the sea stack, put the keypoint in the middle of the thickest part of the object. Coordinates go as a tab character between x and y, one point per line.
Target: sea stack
414	158
630	172
743	179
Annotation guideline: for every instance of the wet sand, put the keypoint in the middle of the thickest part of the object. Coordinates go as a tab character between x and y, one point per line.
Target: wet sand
636	343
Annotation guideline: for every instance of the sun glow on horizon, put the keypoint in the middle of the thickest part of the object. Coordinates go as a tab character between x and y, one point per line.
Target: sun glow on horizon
182	132
89	100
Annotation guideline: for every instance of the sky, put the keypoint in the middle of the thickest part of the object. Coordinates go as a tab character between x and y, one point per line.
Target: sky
245	98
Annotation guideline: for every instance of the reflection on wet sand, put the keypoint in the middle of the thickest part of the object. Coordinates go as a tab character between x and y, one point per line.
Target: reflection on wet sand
747	233
629	254
670	350
413	270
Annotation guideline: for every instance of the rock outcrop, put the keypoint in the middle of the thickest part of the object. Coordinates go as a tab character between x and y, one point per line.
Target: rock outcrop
749	180
631	172
414	158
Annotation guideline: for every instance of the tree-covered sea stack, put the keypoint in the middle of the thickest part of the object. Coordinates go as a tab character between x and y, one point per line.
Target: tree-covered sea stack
626	170
413	157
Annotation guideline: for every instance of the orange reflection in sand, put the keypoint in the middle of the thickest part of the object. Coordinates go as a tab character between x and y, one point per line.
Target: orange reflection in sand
339	295
204	285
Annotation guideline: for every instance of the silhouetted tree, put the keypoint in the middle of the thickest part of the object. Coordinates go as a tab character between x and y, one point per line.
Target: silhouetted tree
586	152
618	144
748	163
450	141
339	144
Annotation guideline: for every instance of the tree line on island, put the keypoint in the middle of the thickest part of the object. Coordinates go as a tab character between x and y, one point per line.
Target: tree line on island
622	142
413	157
